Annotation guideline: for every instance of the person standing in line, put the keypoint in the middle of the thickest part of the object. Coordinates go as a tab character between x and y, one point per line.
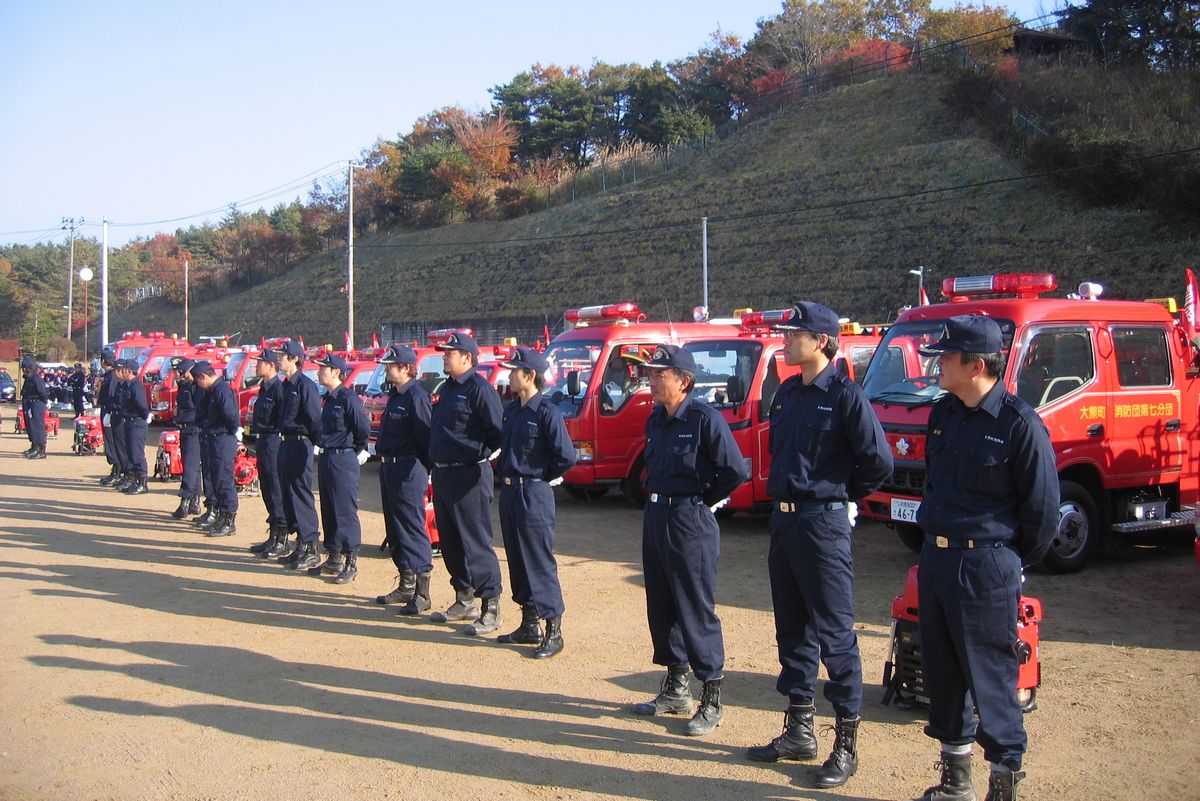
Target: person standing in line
34	397
120	397
299	426
222	431
267	406
106	399
827	451
342	449
135	418
207	463
403	451
464	431
189	438
692	466
535	452
990	508
76	381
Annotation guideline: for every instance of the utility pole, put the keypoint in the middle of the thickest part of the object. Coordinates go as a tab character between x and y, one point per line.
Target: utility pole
920	274
70	223
350	258
704	245
185	300
104	287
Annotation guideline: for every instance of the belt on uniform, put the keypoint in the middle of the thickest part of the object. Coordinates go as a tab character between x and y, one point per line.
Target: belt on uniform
293	437
258	432
444	465
809	506
674	500
395	459
513	480
335	450
964	545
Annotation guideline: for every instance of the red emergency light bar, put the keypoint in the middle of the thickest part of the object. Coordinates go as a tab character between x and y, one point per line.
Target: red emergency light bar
1023	285
442	334
129	334
603	314
157	335
766	319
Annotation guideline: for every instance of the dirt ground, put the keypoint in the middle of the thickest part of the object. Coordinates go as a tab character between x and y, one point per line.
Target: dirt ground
142	661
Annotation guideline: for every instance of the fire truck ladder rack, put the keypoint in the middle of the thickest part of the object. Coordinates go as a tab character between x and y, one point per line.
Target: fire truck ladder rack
1176	520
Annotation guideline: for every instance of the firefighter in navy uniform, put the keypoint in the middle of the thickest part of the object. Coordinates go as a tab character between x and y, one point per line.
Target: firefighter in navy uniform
692	465
464	431
403	451
299	426
135	418
221	433
189	438
990	508
106	399
76	381
827	451
267	406
34	397
535	452
342	447
207	486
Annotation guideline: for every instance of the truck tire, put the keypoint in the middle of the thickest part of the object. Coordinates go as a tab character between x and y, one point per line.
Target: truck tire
585	493
634	485
912	536
1078	530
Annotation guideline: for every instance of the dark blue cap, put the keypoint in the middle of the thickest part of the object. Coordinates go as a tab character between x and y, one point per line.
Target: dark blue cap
202	368
808	315
27	363
269	356
399	354
126	364
182	364
527	359
457	341
967	333
108	355
336	362
672	356
291	348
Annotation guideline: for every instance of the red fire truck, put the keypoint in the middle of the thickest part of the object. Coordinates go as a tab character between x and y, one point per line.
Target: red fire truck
429	376
1114	381
157	364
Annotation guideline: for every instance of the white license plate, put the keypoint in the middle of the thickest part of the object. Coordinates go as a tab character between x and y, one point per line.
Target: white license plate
370	448
905	510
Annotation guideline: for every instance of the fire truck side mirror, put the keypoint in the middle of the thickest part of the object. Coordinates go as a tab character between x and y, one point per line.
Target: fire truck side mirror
573	383
735	393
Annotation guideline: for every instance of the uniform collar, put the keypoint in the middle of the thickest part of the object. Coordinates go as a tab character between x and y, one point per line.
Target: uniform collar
534	402
991	403
465	377
681	412
824	378
405	389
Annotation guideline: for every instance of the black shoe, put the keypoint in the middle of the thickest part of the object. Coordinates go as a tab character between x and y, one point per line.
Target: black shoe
29	451
420	600
528	633
406	588
349	569
38	453
193	505
122	483
797	740
266	544
280	547
216	520
674	698
206	519
710	713
225	527
843	762
488	620
137	486
1003	783
292	555
181	511
330	567
552	642
956	780
463	608
113	476
306	557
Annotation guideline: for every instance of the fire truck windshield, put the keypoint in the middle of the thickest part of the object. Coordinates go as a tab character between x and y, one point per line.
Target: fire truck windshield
719	361
899	374
578	357
375	384
139	352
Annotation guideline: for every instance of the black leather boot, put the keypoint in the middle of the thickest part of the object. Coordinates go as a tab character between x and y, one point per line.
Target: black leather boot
39	452
137	486
710	713
349	569
122	483
216	520
956	780
280	546
420	601
465	607
332	565
292	555
406	588
528	633
206	519
193	507
225	527
1002	784
306	557
29	451
113	476
797	740
675	696
488	620
265	545
843	762
552	641
181	511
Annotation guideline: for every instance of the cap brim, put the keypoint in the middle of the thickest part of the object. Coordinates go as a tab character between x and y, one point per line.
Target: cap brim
938	350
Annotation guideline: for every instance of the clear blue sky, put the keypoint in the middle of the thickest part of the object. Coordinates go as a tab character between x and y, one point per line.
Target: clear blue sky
154	111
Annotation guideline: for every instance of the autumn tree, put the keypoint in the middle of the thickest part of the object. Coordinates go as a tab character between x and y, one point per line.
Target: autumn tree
987	30
805	33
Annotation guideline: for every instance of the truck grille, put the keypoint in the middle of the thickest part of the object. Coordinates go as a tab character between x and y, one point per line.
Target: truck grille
905	481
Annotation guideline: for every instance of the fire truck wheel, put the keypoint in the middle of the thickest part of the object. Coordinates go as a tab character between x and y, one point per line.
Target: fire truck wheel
585	493
1078	529
912	536
634	485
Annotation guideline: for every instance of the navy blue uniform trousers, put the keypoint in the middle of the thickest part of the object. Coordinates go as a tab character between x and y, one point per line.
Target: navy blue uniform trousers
295	476
189	454
812	590
680	548
206	471
134	432
266	451
462	501
221	449
527	525
968	627
35	422
402	484
111	449
337	479
77	401
114	443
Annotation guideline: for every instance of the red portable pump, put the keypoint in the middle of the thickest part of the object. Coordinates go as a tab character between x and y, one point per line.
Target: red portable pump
903	674
168	462
89	435
245	471
51	424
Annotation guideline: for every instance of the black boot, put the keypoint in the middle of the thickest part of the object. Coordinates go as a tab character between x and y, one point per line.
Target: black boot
181	511
465	607
552	642
1002	784
39	452
420	600
266	544
137	486
225	527
797	740
528	633
206	519
123	482
675	696
306	557
710	713
332	565
349	569
193	506
956	780
29	451
292	555
217	518
843	762
406	588
113	475
280	546
488	620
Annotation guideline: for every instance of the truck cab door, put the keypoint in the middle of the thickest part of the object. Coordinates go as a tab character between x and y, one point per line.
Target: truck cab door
623	403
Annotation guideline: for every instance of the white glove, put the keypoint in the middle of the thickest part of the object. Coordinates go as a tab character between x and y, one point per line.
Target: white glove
238	434
363	456
852	513
495	453
718	504
554	482
104	419
316	450
149	419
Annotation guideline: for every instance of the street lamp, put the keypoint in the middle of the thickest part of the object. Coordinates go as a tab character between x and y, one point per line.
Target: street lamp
920	274
85	275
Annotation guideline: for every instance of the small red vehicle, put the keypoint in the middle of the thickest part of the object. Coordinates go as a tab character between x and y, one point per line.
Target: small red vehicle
51	423
168	464
89	435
